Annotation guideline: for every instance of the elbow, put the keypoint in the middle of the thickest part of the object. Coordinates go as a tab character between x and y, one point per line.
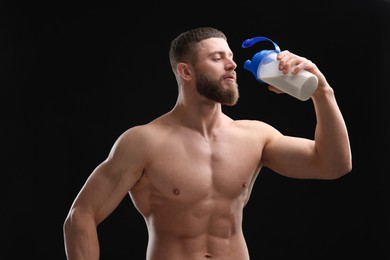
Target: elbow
78	220
337	166
346	165
74	221
339	170
67	224
344	170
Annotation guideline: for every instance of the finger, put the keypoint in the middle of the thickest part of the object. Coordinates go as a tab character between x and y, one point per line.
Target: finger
303	64
274	89
286	61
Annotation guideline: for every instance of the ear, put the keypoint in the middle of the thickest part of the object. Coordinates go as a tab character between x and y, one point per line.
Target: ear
184	70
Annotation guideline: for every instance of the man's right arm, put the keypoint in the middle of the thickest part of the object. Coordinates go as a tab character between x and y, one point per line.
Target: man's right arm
105	188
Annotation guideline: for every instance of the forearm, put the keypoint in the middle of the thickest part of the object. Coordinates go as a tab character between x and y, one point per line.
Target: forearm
81	239
331	135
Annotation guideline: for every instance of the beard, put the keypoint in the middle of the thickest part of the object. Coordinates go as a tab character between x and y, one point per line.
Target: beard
224	93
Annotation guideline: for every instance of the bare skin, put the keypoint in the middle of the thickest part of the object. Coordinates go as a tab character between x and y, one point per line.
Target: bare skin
190	172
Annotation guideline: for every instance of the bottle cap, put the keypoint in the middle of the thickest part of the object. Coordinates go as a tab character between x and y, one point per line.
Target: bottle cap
252	65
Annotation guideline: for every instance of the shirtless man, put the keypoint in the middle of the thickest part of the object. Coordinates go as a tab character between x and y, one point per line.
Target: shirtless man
190	172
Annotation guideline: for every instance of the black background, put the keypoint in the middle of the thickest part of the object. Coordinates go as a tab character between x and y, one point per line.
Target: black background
75	76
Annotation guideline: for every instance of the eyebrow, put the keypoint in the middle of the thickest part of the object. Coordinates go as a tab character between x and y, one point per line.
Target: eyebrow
222	53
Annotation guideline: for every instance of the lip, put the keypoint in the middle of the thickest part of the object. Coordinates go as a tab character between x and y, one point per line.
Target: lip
231	77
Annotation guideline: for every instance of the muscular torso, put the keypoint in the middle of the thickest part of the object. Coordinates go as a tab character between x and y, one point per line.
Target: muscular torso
193	190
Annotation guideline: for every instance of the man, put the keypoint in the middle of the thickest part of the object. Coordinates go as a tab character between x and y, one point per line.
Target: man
190	172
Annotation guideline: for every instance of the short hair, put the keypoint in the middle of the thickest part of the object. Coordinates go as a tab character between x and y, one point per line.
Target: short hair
183	47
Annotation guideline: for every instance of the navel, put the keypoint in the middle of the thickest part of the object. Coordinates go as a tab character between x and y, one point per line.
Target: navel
176	191
244	185
207	255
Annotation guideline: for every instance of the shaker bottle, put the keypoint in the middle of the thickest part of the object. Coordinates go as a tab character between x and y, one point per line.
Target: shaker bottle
265	68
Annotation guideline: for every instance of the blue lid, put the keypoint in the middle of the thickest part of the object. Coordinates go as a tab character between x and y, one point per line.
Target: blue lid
252	65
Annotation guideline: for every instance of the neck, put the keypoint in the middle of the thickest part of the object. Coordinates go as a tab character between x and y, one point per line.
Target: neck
202	116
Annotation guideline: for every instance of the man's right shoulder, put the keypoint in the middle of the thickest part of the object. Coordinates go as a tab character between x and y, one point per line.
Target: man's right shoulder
139	136
148	130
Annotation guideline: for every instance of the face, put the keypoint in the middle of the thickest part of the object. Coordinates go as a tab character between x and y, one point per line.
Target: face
215	75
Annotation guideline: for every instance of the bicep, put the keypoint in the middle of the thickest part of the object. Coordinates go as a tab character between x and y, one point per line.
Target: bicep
99	195
110	181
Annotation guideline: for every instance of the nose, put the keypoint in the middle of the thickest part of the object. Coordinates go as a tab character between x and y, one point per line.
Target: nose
231	65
